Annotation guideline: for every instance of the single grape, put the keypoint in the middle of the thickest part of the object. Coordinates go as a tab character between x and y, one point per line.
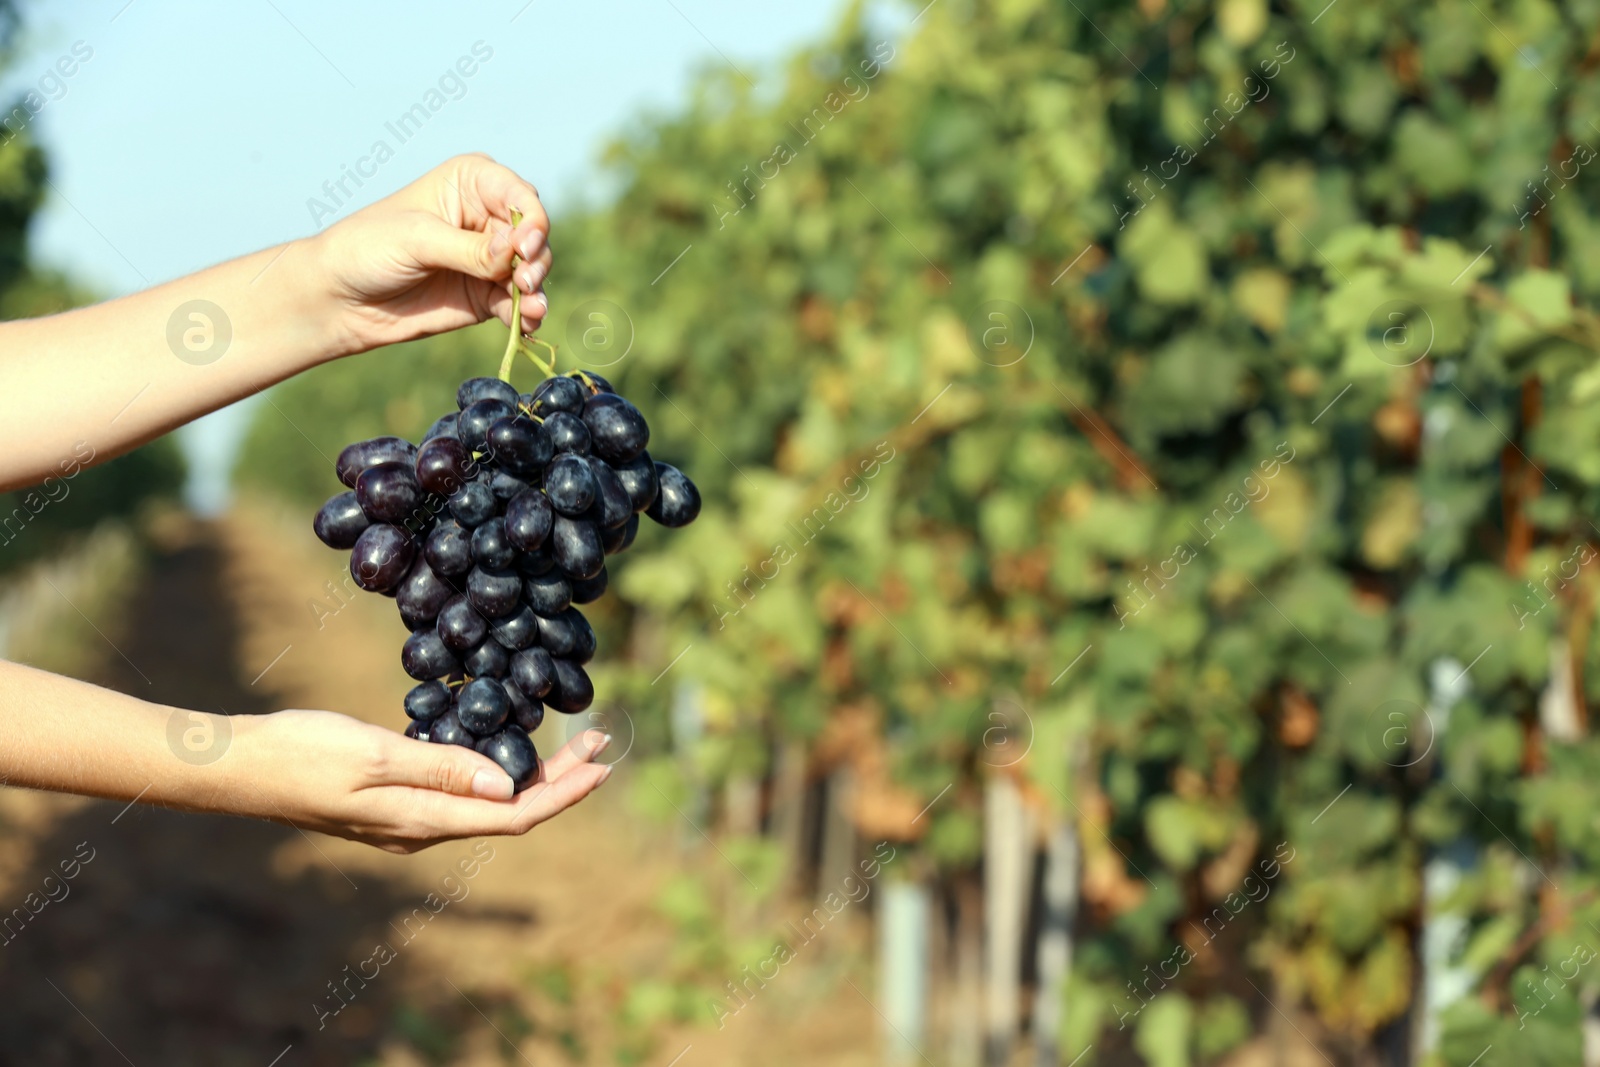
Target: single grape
617	431
559	394
444	465
576	547
425	656
618	538
586	644
547	594
388	492
612	506
474	503
447	730
567	635
443	426
381	558
533	671
571	691
505	486
526	713
567	433
570	485
593	382
490	548
528	520
520	445
482	704
448	549
428	701
516	631
639	480
475	389
488	660
588	590
493	591
363	454
340	521
475	420
513	750
422	595
678	502
460	627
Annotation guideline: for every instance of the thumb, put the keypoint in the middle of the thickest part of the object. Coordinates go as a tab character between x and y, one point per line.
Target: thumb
486	255
447	769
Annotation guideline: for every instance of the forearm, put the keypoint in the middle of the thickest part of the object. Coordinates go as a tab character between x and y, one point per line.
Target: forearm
69	736
117	374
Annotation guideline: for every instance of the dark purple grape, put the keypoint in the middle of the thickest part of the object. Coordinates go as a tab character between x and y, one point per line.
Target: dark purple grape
476	418
568	636
490	548
461	628
576	547
449	549
444	465
528	519
520	445
569	483
475	389
539	561
525	712
588	590
417	731
488	660
381	558
388	492
571	691
425	656
617	432
443	426
493	591
593	382
482	705
340	521
474	503
363	454
505	486
547	594
513	750
559	394
428	701
618	538
516	631
611	499
422	595
447	730
533	671
678	502
639	480
567	433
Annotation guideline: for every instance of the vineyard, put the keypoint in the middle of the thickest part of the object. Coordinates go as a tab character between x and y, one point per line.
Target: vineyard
1148	461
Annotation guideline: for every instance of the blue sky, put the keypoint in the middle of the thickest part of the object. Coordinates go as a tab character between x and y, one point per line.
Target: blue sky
199	131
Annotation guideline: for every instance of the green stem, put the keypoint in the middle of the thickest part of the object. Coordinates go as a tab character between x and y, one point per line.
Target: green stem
515	339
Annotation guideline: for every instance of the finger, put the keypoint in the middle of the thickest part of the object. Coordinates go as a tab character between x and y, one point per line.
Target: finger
445	769
531	275
446	817
548	799
494	191
484	254
584	748
497	299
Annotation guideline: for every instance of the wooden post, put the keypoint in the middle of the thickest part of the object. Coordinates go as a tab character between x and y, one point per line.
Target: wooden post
903	970
1055	941
1006	856
838	833
963	1009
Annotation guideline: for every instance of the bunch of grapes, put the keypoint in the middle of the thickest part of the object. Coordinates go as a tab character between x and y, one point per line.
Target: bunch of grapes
488	534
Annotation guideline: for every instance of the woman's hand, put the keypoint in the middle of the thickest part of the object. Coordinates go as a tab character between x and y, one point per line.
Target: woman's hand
323	771
437	255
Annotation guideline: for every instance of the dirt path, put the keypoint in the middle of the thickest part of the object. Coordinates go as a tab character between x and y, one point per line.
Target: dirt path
199	940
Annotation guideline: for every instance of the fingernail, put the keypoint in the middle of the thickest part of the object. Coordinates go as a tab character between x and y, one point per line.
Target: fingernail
602	744
532	243
606	773
539	302
491	785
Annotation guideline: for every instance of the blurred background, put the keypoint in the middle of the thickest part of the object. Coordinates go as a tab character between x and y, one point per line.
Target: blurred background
1142	612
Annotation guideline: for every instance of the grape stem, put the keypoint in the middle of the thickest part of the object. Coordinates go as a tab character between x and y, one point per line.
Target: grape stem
515	339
